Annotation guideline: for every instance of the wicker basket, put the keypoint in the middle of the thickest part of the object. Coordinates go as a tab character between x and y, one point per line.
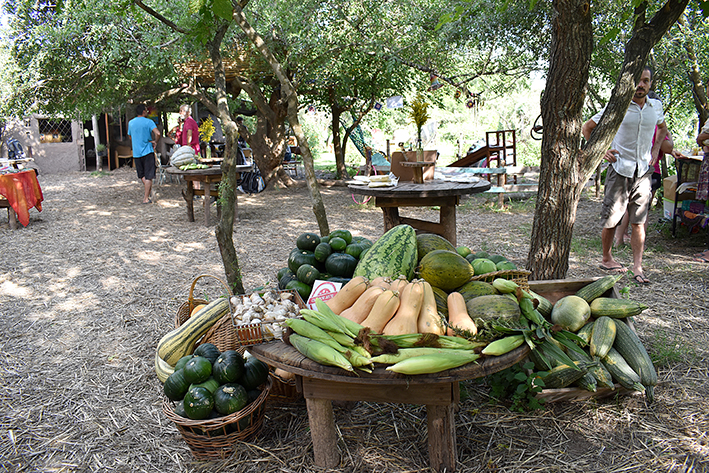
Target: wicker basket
519	276
217	438
184	311
283	390
253	334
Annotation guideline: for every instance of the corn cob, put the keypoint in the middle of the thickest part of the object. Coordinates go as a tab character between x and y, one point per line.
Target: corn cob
358	361
433	363
526	306
504	286
323	321
411	340
313	332
351	327
503	345
615	308
341	338
545	304
319	352
404	353
618	367
602	336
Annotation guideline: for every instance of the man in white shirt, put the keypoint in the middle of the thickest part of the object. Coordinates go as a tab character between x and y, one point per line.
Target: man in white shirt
628	179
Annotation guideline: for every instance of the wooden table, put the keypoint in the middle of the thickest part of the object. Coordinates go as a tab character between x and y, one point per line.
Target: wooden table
20	192
443	194
321	385
208	176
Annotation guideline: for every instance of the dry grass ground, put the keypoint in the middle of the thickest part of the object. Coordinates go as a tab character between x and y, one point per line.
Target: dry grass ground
90	286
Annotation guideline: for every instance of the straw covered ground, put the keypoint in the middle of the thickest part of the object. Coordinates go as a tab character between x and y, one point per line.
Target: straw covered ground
95	280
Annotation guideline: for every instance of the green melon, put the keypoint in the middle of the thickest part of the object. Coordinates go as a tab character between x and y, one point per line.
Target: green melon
428	242
506	266
472	289
497	258
463	251
483	266
307	241
493	307
571	313
445	269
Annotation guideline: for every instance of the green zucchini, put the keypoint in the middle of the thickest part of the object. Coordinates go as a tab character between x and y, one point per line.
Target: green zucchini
602	336
563	375
615	308
598	287
621	371
603	377
633	351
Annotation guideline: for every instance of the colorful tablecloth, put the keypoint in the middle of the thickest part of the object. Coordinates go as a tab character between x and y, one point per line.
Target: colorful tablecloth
22	191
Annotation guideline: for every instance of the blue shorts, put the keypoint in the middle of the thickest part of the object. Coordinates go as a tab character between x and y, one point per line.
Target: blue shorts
145	166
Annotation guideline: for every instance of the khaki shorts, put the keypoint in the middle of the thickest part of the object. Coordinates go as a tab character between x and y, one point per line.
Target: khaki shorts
623	193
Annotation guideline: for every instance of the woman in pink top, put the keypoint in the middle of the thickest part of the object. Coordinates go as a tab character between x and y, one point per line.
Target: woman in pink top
190	130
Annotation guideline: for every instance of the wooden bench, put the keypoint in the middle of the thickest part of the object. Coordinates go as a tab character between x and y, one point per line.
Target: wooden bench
503	176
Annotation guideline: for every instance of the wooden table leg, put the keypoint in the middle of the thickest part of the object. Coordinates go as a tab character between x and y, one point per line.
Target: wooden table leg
207	201
12	218
189	198
448	223
391	217
441	437
323	432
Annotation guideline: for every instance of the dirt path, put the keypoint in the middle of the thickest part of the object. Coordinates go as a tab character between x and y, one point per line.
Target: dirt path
90	286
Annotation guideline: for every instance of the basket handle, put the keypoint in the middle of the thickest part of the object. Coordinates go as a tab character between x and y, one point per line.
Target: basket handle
190	299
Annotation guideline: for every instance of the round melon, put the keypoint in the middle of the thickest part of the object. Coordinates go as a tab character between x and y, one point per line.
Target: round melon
307	241
493	307
506	266
497	258
428	242
483	266
571	313
463	251
445	269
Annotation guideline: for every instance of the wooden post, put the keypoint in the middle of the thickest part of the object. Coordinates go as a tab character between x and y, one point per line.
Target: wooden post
96	135
323	432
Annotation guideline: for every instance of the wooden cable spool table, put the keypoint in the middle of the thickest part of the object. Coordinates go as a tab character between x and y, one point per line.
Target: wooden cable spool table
443	194
321	385
208	176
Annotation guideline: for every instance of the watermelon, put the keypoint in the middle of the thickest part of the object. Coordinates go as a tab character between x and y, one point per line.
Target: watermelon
392	255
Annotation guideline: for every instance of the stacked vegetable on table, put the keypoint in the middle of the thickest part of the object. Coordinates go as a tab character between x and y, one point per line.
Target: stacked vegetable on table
420	305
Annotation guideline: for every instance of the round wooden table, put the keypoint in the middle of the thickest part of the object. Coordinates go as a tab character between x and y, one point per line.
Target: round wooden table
321	385
436	193
208	176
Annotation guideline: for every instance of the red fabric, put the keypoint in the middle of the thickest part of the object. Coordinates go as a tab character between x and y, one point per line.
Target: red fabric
22	191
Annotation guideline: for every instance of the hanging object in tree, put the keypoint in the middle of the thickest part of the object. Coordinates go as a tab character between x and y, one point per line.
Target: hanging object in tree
457	94
435	83
377	106
470	103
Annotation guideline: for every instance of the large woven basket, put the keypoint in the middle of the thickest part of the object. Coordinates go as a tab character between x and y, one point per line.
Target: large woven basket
217	438
283	391
519	276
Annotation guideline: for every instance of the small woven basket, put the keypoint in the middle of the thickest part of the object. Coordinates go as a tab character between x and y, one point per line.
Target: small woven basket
184	311
519	276
217	438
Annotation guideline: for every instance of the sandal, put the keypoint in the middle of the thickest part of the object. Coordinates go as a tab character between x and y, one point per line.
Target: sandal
640	279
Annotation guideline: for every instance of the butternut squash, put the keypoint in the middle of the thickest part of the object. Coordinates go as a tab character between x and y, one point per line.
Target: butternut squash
398	284
363	305
458	315
429	320
347	294
406	318
382	311
381	281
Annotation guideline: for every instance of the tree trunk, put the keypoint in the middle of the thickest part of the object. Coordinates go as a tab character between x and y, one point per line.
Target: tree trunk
337	143
559	182
227	187
564	168
699	91
289	93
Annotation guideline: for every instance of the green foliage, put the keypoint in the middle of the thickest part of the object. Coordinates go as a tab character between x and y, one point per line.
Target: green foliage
519	385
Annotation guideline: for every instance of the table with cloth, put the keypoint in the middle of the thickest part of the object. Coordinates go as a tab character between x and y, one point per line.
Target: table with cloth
20	192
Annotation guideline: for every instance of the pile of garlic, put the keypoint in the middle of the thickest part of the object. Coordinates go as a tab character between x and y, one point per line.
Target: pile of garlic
271	309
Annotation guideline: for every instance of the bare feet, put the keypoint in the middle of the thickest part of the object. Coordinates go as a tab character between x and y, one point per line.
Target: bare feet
702	257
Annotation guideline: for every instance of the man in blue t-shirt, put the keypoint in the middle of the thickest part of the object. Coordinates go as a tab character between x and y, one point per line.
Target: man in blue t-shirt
141	129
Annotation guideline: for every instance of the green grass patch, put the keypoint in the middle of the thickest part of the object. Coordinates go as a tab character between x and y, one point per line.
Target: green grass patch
99	174
667	348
